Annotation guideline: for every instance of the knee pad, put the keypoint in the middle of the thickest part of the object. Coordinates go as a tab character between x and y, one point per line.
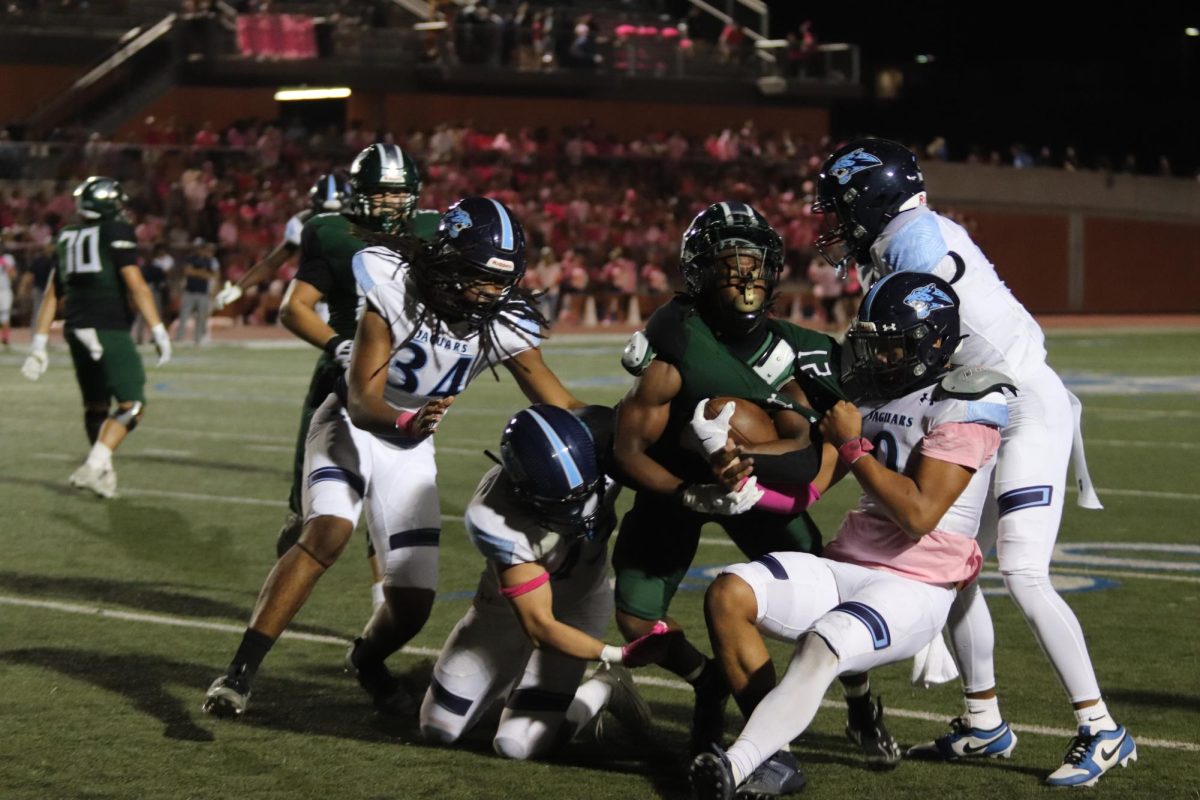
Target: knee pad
129	415
93	421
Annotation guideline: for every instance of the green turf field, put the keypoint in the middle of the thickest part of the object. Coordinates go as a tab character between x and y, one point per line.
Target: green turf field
115	616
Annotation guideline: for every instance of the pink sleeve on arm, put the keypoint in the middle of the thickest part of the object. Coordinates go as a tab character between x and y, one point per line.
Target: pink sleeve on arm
968	444
787	498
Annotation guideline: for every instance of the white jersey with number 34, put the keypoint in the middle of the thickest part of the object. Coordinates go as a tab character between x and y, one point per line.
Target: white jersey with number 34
430	364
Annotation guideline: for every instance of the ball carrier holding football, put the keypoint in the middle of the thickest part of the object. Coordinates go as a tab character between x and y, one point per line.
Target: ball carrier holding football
716	340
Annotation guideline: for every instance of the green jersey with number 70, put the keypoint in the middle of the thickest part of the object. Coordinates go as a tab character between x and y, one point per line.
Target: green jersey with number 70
88	274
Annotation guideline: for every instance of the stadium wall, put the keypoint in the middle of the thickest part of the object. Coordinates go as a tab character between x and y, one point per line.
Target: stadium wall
24	87
192	106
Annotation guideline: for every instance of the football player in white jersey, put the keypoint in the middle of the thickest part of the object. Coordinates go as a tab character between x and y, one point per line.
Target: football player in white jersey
883	587
874	190
436	316
542	520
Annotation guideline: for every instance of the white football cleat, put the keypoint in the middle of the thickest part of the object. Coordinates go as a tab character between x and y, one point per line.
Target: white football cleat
1090	755
102	482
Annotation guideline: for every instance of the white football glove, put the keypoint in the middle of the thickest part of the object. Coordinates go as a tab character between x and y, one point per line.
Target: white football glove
91	340
37	360
341	353
230	293
711	434
709	498
162	343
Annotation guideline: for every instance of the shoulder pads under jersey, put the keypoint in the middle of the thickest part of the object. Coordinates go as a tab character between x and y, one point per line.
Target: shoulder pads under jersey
972	383
637	354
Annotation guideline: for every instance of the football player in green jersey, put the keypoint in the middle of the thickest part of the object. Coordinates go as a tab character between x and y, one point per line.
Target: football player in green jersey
716	339
385	186
98	276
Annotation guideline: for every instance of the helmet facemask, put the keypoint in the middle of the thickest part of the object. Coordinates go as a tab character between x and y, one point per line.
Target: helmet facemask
388	209
888	364
842	240
580	512
734	282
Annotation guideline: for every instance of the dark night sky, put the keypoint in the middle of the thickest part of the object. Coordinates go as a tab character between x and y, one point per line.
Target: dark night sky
1004	73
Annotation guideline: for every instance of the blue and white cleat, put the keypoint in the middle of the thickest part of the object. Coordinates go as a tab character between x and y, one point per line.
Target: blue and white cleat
963	741
1090	755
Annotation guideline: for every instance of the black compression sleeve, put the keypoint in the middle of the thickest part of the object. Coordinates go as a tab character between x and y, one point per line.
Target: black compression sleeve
798	466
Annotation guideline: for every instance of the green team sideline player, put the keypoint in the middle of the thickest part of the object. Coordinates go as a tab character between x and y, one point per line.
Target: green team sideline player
97	273
715	339
385	187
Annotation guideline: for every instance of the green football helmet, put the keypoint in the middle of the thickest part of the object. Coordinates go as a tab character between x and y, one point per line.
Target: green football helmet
386	186
100	198
731	245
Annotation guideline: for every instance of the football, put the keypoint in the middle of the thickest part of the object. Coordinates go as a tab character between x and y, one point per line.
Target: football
750	424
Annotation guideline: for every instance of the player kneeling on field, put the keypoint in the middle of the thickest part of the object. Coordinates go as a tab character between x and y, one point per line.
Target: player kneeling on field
883	588
542	520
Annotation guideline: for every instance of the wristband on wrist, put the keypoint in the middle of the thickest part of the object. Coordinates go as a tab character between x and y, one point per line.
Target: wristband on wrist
39	342
611	654
158	330
404	422
854	449
331	346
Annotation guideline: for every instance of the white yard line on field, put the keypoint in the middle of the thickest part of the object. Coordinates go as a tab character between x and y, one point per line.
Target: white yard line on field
426	652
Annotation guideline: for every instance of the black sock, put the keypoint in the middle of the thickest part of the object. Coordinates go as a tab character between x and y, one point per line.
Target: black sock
710	679
250	654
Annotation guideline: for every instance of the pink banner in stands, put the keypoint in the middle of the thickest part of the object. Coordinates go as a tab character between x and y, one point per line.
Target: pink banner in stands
276	36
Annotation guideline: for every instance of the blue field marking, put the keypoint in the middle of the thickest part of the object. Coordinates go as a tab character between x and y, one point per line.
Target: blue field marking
1107	383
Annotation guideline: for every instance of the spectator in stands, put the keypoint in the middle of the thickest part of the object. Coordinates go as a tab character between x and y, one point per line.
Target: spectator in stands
549	277
200	272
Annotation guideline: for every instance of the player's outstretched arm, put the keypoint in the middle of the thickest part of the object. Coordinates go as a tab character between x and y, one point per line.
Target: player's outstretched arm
527	588
915	501
538	381
265	270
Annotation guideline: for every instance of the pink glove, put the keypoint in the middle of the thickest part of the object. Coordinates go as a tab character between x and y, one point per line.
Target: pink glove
643	650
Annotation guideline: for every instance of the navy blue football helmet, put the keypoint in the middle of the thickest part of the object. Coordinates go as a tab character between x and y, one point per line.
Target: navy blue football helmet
553	460
905	333
865	184
328	193
478	259
735	230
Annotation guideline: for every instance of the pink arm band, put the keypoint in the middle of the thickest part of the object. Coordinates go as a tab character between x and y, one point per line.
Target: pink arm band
404	422
791	499
525	588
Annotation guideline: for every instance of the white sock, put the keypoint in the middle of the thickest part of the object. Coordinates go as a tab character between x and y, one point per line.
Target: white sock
101	457
984	714
590	699
1096	717
377	595
787	710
